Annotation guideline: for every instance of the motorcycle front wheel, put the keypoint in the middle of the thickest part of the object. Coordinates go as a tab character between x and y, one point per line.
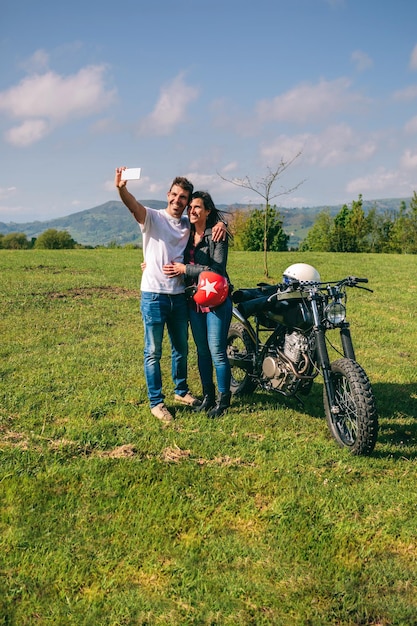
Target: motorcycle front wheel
353	419
241	355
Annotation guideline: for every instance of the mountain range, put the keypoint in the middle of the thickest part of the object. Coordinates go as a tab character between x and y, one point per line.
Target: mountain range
111	223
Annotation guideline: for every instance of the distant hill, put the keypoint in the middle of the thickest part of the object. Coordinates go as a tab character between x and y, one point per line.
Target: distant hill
112	223
104	224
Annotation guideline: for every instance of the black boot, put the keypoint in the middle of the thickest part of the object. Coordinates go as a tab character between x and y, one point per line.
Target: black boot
209	400
207	403
223	403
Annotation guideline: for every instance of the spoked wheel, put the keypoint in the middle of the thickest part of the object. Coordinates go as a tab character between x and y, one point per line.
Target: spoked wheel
240	352
353	419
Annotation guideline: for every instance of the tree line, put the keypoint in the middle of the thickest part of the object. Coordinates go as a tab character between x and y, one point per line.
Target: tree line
50	239
351	230
262	229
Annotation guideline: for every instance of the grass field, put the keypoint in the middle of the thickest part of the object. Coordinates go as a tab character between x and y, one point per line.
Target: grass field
256	518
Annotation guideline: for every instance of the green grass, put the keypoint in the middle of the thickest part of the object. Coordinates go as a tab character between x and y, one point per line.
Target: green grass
107	518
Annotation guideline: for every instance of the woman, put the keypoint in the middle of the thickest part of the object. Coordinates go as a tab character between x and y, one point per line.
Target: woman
209	326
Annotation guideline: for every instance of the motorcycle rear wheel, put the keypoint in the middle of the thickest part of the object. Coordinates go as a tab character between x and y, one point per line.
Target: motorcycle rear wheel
240	349
354	424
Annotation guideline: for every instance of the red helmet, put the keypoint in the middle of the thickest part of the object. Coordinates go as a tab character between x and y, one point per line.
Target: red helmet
212	289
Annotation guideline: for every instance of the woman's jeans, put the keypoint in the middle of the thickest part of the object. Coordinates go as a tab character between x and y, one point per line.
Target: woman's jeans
158	310
210	335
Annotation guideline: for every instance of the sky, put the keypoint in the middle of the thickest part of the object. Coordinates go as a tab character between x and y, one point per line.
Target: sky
214	90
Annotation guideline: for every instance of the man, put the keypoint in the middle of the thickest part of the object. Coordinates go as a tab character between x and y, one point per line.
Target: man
163	303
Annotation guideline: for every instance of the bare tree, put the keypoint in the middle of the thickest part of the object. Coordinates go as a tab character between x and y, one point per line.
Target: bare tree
264	188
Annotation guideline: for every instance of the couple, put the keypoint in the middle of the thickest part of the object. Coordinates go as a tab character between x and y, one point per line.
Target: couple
176	250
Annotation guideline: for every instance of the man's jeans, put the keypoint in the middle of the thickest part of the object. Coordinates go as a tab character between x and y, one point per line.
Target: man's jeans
157	311
210	335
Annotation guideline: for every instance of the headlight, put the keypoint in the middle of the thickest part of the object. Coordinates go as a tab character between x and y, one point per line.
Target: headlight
335	313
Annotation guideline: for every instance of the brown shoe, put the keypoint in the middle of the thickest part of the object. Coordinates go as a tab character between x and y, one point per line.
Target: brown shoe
188	399
161	412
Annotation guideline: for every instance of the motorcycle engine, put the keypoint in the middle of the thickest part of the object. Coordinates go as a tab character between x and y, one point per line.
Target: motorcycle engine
282	367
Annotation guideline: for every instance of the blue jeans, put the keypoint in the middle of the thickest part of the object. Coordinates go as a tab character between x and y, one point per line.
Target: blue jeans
157	311
210	336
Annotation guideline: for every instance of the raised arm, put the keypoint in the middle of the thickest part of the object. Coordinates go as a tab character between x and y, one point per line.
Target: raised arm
135	207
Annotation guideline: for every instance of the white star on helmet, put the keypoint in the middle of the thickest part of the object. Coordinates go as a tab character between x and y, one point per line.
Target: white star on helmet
209	287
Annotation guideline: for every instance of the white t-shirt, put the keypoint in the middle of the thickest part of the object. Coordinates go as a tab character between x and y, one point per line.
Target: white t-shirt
164	240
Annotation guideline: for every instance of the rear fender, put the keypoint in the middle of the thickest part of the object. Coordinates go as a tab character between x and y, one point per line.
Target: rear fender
245	323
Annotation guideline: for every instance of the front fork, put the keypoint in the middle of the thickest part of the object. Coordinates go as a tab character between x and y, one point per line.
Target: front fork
347	344
323	355
324	361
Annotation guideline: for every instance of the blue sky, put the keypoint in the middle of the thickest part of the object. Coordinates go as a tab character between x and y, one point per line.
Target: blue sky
201	88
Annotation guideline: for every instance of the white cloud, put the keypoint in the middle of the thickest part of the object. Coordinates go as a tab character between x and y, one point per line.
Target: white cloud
204	181
411	125
362	60
39	61
409	160
285	147
56	97
381	183
158	189
27	133
407	94
413	58
307	102
5	192
107	126
216	186
170	109
43	101
334	146
230	167
11	213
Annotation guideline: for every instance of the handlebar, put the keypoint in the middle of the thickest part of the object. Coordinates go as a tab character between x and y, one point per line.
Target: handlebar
352	281
264	293
355	279
349	281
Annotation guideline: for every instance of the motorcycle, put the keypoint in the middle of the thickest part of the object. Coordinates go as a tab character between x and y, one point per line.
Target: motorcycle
285	348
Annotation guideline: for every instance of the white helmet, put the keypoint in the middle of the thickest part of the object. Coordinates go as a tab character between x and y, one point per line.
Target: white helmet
302	273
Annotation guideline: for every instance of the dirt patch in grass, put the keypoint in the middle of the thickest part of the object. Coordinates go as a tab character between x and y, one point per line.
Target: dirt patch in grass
171	454
13	439
174	454
52	269
121	452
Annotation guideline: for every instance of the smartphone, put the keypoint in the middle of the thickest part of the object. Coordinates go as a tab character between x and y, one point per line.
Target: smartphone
131	173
